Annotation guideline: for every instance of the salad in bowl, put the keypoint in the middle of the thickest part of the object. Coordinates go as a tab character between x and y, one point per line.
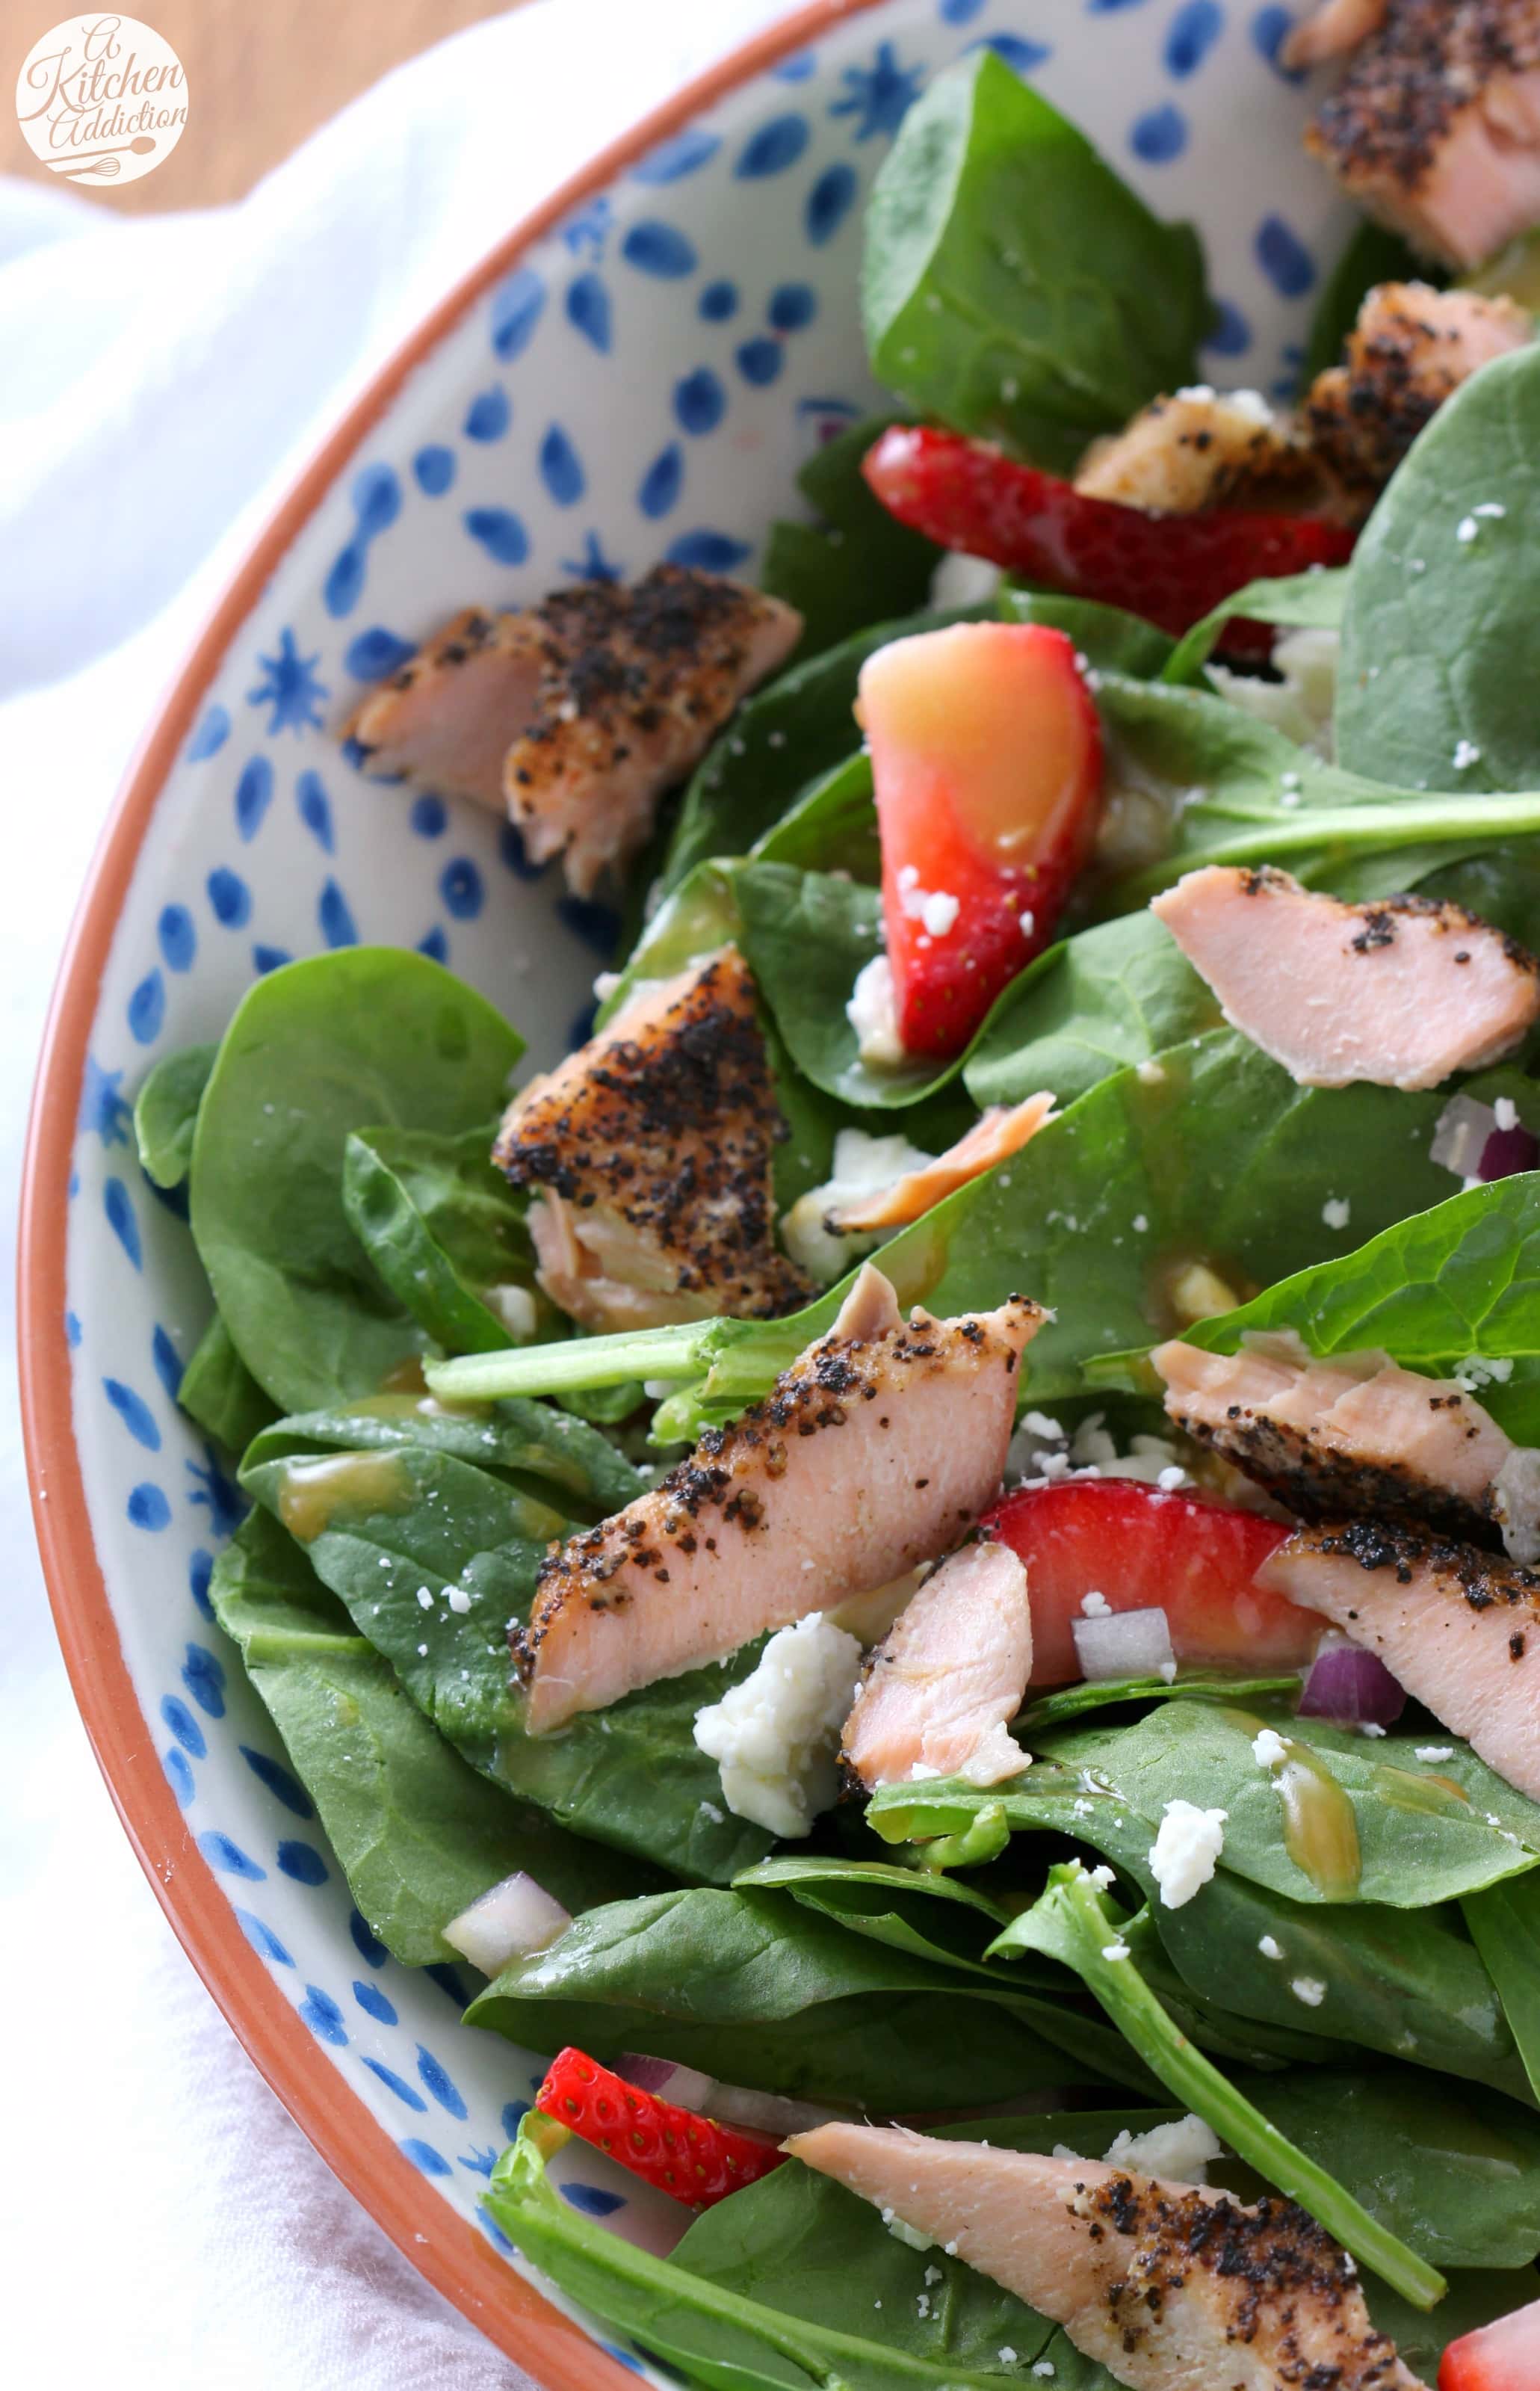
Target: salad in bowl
926	1552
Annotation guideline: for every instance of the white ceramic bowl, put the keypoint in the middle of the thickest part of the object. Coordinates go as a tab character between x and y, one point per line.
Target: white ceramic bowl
636	374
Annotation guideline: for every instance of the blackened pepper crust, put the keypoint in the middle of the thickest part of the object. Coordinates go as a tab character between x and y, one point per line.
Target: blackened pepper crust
1402	1548
1406	86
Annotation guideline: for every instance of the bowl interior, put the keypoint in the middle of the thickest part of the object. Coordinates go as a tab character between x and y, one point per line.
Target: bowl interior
641	382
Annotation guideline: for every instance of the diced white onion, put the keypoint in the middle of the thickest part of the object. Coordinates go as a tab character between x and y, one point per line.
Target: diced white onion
730	2104
515	1917
515	1307
1129	1644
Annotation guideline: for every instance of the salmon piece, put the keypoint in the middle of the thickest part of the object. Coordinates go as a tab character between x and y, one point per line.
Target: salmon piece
948	1677
1436	127
1203	448
1352	1434
1402	990
650	1149
575	716
1338	25
1411	347
877	1449
1459	1628
1002	1130
1170	2286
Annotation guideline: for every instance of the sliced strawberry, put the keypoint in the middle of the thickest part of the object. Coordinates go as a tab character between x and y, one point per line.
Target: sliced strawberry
1143	1550
1170	569
693	2159
1501	2356
986	760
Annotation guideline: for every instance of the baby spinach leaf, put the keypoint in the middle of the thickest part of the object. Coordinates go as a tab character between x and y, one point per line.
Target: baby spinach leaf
165	1112
1073	1923
1110	639
363	1036
1423	1835
219	1392
1111	996
1374	255
1505	1927
418	1520
1299	601
1075	1701
551	1453
857	564
1013	285
417	1834
806	935
699	916
1461	1280
1441	640
413	1263
758	1989
833	827
747	2314
799	1873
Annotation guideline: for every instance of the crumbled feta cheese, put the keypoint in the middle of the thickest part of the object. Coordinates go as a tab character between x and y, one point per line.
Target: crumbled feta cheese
1369	1727
776	1735
1050	1430
1302	701
1337	1211
872	1013
1114	1950
910	2235
1185	1850
1180	2151
1062	2150
1095	1605
1101	1877
1435	1752
1504	1112
425	1598
1308	1989
1168	1671
1141	1222
960	580
933	2275
515	1308
605	986
1466	530
1490	507
862	1166
920	1770
1006	2355
939	911
1466	754
1169	1480
1269	1947
458	1600
1046	2367
1268	1748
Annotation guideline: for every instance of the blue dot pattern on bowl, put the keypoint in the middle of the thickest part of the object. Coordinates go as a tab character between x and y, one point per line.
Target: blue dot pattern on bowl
591	413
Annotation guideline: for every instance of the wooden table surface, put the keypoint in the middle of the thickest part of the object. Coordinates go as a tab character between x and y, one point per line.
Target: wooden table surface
261	74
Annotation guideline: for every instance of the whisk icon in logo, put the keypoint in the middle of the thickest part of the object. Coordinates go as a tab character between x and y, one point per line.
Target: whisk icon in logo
101	99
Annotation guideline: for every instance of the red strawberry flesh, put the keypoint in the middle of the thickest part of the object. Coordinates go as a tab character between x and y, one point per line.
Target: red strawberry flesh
691	2158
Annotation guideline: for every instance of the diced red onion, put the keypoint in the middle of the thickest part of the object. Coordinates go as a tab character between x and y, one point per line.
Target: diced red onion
730	2104
1468	1139
1124	1644
1352	1686
515	1917
1508	1150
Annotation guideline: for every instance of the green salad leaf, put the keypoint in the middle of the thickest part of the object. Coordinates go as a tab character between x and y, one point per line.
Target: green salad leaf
1012	286
857	564
1107	998
417	1834
165	1112
219	1392
1110	639
1300	602
1504	1922
758	1988
1441	640
398	1235
350	1040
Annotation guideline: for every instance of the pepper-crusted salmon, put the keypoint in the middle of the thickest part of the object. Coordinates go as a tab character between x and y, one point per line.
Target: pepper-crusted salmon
1203	448
1170	2286
1399	991
1355	1433
575	715
650	1154
1458	1627
877	1449
1435	126
948	1677
1000	1131
1410	349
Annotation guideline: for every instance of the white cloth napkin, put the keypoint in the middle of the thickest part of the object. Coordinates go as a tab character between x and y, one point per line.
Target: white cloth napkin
161	2221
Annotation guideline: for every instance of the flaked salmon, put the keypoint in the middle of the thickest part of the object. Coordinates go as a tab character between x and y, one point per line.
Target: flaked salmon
648	1153
1435	126
1000	1131
1459	1628
1355	1434
1410	349
877	1449
575	716
1399	991
1203	448
1170	2286
949	1676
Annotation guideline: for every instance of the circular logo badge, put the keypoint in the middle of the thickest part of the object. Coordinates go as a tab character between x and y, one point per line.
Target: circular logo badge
101	99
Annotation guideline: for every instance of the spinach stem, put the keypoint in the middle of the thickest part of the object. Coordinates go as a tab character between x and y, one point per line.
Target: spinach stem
1362	828
573	1362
